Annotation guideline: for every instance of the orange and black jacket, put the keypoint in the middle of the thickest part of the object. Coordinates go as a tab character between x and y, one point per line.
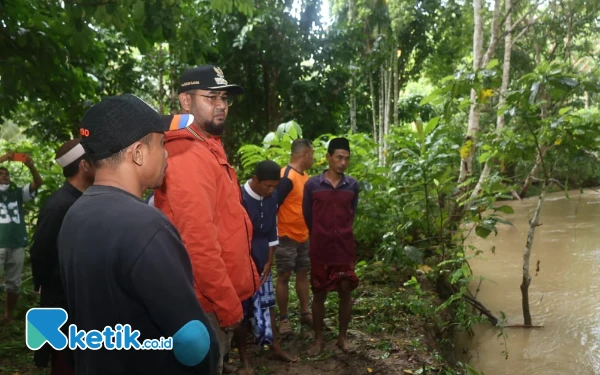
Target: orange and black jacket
202	198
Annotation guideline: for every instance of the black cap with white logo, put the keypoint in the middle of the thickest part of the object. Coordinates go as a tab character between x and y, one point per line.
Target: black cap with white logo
207	77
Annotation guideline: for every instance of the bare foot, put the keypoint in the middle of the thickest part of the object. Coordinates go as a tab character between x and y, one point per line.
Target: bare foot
283	355
315	349
343	345
245	371
229	369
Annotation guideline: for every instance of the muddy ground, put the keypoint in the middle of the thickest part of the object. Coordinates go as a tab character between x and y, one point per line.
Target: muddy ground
401	353
387	334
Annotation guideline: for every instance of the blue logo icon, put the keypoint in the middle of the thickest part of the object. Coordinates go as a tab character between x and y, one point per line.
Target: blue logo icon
43	326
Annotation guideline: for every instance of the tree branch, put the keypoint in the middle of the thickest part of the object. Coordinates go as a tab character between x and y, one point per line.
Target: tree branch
494	37
525	28
476	304
553	180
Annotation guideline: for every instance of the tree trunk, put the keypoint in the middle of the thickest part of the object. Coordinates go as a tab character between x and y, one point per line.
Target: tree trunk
477	34
373	111
569	37
351	82
473	127
387	110
161	102
506	67
161	98
267	86
534	170
352	106
466	165
274	113
173	79
479	61
396	86
502	97
533	223
586	97
538	52
381	112
494	36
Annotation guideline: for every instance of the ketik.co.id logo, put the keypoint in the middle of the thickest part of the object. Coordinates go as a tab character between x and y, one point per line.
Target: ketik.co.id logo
43	326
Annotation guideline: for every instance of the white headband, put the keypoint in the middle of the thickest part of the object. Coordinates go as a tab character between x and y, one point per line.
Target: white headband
73	154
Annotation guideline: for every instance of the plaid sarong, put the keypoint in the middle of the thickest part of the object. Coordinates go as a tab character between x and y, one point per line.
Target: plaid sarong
260	316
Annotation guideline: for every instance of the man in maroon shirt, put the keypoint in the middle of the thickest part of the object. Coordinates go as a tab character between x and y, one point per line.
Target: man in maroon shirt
329	206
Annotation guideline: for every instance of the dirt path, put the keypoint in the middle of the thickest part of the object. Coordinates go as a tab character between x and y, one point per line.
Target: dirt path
370	355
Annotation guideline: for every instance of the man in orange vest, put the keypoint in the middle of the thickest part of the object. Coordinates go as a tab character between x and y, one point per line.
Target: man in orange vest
292	252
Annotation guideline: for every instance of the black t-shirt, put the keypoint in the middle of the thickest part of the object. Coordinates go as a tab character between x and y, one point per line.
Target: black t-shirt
123	262
44	253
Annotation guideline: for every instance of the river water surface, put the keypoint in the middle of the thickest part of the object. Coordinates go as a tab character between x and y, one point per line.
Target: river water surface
564	296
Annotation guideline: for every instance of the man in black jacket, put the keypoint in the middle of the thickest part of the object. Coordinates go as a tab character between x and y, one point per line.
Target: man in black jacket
122	263
79	173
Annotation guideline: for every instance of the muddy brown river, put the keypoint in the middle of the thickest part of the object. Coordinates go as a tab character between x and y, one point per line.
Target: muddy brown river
564	295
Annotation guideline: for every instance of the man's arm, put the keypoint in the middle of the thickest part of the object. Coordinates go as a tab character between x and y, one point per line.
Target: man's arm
283	189
192	193
273	238
355	201
161	278
356	190
37	179
44	245
307	206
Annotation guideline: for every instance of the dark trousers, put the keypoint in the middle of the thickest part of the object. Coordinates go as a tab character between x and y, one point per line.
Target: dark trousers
62	363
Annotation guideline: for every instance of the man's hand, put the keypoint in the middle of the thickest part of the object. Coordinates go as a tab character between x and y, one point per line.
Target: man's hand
7	156
233	327
266	272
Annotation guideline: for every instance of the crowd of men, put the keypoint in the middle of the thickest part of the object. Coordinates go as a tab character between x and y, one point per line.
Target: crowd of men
195	263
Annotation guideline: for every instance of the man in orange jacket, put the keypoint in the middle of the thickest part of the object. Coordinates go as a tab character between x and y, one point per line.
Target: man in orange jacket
202	198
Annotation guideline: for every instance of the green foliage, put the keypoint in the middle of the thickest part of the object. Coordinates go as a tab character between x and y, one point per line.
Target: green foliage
277	146
402	218
545	103
404	208
59	58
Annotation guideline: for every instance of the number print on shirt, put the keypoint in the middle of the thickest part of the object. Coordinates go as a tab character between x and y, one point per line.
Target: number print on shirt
5	213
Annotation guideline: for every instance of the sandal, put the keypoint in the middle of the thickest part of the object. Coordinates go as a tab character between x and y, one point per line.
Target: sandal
284	327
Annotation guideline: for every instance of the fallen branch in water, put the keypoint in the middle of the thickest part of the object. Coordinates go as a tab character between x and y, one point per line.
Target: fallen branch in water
482	309
552	180
522	326
446	290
